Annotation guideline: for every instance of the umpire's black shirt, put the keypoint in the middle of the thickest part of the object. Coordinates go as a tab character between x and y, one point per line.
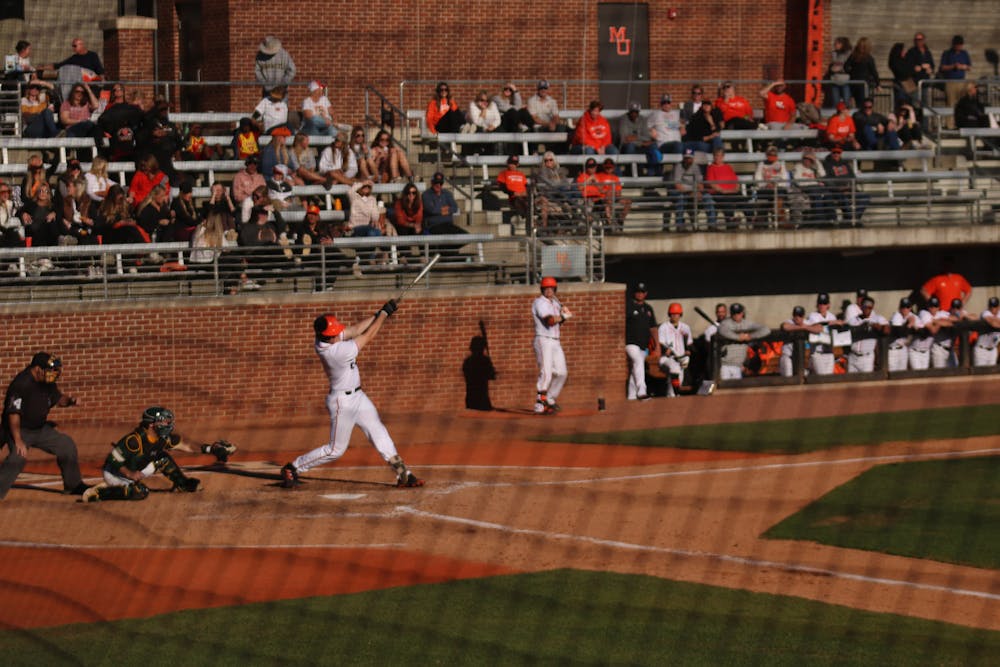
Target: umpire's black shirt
639	318
29	398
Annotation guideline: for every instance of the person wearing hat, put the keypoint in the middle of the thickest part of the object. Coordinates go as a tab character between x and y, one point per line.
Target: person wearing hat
809	195
316	118
184	212
735	332
955	62
984	352
440	208
25	424
737	114
938	324
634	138
868	326
797	329
593	133
514	182
273	66
641	332
278	152
689	194
903	325
544	110
676	343
841	130
248	179
842	192
771	183
279	186
821	359
854	309
271	111
666	128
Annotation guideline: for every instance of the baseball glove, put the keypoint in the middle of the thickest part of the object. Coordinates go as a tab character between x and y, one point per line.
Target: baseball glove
220	449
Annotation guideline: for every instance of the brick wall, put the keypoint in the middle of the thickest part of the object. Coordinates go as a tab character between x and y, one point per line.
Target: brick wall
253	359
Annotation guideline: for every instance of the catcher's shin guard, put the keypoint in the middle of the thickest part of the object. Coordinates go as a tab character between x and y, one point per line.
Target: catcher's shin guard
166	465
133	491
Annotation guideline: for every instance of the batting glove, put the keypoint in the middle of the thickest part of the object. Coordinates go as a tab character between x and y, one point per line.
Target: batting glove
389	307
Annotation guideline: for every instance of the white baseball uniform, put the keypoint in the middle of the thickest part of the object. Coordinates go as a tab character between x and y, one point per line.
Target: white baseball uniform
984	353
785	363
348	405
920	347
821	357
676	340
899	348
853	310
861	358
548	351
941	352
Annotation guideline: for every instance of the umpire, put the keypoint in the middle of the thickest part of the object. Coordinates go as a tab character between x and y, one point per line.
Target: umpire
25	424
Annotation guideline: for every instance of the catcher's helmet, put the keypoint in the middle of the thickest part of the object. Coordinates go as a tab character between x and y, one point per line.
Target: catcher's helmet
549	281
50	364
161	419
327	326
675	309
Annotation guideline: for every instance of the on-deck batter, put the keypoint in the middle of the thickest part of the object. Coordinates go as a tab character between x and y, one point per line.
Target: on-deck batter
548	314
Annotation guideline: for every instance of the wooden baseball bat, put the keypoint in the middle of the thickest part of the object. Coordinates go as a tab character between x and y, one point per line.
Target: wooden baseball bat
705	315
420	276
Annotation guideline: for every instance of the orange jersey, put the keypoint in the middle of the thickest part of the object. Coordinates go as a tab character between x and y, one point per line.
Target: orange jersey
246	145
196	146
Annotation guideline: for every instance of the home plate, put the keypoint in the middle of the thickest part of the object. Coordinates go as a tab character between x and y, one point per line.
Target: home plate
343	496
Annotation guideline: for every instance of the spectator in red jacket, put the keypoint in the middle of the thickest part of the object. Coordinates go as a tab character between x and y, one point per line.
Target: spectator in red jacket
442	111
593	133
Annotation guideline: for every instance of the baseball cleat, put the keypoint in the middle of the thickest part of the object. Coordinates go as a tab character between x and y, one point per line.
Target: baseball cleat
540	408
552	407
410	481
93	494
289	476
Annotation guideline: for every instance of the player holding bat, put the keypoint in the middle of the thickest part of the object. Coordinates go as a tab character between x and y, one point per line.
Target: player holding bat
548	314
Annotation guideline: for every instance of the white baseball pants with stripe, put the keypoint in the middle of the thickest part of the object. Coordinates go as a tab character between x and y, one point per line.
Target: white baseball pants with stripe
551	366
346	411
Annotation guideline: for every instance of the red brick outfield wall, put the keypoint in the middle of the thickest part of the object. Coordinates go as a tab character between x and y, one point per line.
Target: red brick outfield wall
252	357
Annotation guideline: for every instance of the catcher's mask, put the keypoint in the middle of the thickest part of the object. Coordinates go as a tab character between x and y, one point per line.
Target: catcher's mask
327	326
161	419
51	365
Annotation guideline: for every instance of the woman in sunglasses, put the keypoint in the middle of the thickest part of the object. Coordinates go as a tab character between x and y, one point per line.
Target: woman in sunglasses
442	111
389	161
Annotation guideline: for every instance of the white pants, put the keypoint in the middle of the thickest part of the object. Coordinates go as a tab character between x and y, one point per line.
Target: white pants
982	356
346	410
940	356
551	366
111	479
821	363
637	371
785	365
897	358
671	366
861	363
730	372
920	360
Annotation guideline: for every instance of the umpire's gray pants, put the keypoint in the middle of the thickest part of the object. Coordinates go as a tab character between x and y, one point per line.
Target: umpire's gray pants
47	439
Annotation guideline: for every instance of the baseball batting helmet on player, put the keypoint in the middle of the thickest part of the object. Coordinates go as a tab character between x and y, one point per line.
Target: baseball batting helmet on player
549	281
161	419
675	309
327	326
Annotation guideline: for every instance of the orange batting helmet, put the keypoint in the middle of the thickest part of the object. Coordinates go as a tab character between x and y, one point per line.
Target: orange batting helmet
549	281
675	309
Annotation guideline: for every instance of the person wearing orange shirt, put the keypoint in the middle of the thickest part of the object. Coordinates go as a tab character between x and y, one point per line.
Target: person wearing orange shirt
515	183
616	207
779	107
724	186
947	287
442	111
587	181
840	129
737	114
593	133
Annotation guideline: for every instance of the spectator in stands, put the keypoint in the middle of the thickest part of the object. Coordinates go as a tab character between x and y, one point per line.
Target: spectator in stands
741	331
74	171
408	212
737	114
85	59
76	223
861	66
40	217
75	112
616	207
779	107
37	117
955	62
704	130
153	215
554	191
842	188
316	118
194	146
969	111
23	70
666	128
365	217
908	127
902	81
688	193
160	137
544	110
97	179
722	184
277	152
259	230
114	219
810	206
220	203
514	117
874	131
440	208
146	177
122	122
690	108
362	153
11	226
483	114
797	328
116	96
388	161
593	133
771	183
442	111
837	88
247	180
34	177
245	139
279	188
308	170
920	61
514	183
273	67
840	129
184	213
634	138
261	198
588	184
338	164
271	111
209	236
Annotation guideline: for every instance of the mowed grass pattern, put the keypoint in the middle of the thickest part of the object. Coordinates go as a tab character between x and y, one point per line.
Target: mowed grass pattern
559	617
942	510
795	436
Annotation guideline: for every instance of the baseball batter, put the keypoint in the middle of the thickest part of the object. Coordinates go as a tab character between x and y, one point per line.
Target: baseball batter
903	324
821	359
675	347
338	346
640	329
861	358
984	353
548	314
796	324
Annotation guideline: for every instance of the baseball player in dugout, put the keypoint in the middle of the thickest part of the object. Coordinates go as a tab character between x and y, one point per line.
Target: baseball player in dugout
338	346
821	358
25	424
675	348
145	451
985	351
640	340
739	330
548	314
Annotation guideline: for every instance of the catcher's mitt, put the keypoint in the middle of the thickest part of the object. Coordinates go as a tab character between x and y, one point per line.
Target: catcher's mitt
220	449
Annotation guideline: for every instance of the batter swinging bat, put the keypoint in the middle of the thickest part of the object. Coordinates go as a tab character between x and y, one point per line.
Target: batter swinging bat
420	276
705	315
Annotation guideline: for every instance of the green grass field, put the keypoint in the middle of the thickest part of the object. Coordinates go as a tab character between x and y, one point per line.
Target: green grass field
794	436
552	618
942	510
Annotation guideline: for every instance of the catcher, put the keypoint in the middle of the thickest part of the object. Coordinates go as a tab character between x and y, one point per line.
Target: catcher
145	451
